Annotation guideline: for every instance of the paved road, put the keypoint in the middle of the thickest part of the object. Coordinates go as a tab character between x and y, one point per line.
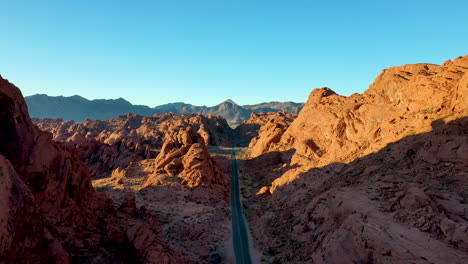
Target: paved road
239	229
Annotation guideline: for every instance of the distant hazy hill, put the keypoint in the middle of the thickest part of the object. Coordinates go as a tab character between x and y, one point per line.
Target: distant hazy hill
288	107
79	109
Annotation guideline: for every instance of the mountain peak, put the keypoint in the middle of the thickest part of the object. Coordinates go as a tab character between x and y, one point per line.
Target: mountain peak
229	101
74	97
122	100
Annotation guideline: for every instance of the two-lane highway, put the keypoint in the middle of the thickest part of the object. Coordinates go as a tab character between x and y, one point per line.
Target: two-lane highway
239	228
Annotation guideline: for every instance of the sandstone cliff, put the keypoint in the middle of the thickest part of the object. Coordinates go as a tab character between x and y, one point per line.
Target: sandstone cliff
50	212
402	101
379	177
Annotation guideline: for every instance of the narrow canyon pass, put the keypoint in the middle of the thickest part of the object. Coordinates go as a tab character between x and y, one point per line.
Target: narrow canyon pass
378	177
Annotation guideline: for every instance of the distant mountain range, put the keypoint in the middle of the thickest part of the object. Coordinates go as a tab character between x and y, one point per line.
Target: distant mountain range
79	109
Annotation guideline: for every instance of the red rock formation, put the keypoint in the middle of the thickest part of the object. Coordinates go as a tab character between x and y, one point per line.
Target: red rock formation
185	156
183	187
249	129
49	211
402	101
115	143
388	207
270	132
375	178
20	223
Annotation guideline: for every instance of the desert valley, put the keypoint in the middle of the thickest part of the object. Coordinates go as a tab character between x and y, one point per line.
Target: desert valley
377	177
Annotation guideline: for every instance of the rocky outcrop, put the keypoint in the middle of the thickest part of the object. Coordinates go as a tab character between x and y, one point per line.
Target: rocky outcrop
23	236
249	129
391	206
135	159
183	189
184	155
402	101
270	132
116	143
50	213
379	177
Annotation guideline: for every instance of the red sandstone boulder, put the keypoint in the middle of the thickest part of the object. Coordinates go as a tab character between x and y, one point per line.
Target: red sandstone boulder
185	156
249	130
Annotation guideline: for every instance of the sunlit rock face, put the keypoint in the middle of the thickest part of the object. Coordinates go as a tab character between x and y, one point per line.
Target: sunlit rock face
117	143
378	177
402	101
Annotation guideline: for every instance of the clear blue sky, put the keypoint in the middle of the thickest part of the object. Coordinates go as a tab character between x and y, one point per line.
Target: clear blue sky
204	52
